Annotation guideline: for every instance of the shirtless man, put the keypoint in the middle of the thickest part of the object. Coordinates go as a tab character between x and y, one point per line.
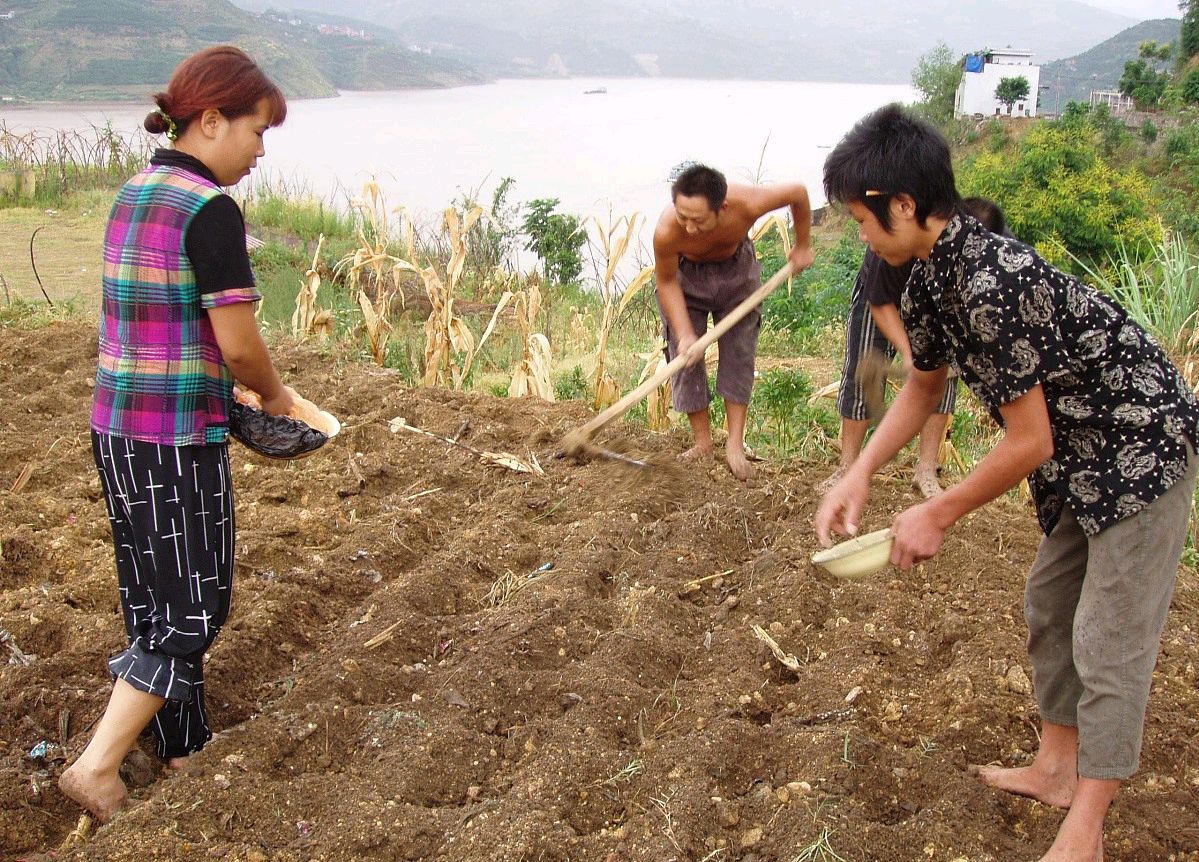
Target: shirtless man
705	264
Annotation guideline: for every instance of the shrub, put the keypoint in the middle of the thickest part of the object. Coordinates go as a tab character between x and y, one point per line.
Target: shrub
1060	194
556	238
571	386
819	294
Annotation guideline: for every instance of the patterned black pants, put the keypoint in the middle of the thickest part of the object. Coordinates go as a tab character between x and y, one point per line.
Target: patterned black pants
171	511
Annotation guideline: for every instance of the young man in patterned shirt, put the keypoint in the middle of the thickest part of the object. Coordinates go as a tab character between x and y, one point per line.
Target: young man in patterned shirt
1094	414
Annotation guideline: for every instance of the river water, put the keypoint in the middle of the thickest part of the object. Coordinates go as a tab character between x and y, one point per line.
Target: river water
600	153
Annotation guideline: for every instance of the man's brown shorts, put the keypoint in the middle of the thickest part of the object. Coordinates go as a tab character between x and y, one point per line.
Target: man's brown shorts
715	289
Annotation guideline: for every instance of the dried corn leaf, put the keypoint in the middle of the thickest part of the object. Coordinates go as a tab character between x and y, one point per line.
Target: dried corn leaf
377	328
616	251
495	315
829	391
658	402
511	462
639	281
606	392
304	317
777	223
785	659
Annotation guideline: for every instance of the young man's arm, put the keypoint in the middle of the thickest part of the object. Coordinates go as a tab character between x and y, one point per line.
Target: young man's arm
887	319
1027	442
670	289
842	506
764	199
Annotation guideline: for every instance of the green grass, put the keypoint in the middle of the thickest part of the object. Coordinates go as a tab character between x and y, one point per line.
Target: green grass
1160	291
31	314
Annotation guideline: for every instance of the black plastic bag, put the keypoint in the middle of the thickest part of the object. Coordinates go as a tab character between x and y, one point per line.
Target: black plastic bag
273	436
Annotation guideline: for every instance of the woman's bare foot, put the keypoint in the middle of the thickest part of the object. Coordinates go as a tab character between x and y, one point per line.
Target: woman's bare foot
697	452
100	793
1052	789
738	463
177	763
1068	855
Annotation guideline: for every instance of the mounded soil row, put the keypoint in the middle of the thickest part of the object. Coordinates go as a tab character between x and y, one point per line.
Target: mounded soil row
431	658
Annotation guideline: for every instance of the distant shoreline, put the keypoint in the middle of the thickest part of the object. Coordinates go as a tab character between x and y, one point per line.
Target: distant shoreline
148	95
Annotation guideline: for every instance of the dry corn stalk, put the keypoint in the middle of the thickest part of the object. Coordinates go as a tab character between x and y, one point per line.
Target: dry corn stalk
778	223
614	239
532	375
787	660
658	401
304	319
614	244
604	390
580	331
374	239
446	335
641	280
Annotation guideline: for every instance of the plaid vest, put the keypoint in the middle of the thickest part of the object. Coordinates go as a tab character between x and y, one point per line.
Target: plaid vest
160	377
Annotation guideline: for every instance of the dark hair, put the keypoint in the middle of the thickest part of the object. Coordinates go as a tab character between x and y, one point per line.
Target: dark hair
890	152
221	77
987	212
701	180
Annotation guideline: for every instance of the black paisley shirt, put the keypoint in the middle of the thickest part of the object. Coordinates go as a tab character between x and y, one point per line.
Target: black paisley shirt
1120	412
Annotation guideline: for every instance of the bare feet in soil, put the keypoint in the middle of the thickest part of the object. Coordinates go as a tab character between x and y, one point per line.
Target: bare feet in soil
739	464
1066	855
1052	789
927	484
177	763
102	795
698	452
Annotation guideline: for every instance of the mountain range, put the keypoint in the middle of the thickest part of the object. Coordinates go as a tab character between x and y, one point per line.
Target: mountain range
114	49
1100	68
848	40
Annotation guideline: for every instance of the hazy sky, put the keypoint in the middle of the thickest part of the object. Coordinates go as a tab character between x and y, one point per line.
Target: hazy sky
1140	9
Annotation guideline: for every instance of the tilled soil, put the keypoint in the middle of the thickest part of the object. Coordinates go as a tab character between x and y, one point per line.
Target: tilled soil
431	658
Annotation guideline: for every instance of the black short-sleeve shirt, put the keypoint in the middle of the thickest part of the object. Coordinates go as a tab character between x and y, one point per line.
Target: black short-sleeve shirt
215	241
884	283
1121	414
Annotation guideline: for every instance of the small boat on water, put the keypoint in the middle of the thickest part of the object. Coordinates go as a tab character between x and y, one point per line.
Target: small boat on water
596	91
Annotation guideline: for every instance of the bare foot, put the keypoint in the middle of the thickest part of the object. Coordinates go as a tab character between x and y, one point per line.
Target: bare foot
1055	790
697	452
101	794
927	484
1067	856
177	763
739	464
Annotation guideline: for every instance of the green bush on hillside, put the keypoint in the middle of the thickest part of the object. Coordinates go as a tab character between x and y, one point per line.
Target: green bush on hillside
1061	195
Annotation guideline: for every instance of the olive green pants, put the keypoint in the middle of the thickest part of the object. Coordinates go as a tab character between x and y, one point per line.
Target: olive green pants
1096	608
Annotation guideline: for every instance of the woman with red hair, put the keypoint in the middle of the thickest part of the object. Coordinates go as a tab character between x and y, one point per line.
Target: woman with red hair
177	328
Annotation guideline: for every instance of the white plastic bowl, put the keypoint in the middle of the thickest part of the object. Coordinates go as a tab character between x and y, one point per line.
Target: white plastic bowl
857	557
328	424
